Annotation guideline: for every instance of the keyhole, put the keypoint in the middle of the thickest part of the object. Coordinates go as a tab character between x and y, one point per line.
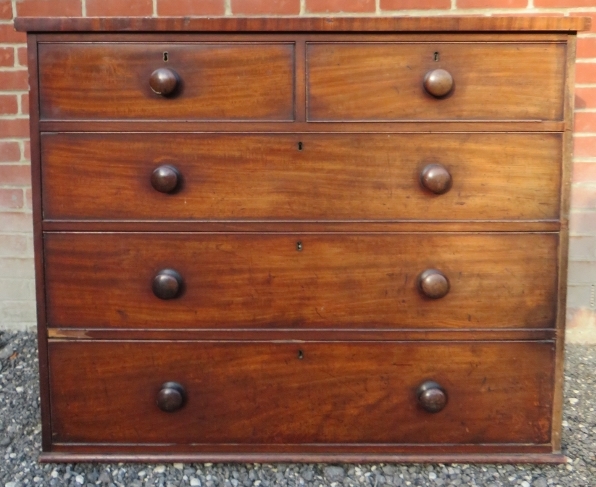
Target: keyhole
300	355
165	56
298	246
436	56
299	145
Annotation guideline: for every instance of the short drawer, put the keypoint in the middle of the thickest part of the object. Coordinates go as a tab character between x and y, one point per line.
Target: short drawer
192	176
201	280
301	393
386	81
211	81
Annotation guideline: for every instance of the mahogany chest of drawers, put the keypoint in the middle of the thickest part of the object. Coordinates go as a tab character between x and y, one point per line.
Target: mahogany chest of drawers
301	239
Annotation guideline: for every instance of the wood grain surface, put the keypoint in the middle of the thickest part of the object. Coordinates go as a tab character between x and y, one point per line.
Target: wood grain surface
284	226
319	335
159	453
319	24
218	81
264	393
384	81
96	176
335	281
450	126
291	235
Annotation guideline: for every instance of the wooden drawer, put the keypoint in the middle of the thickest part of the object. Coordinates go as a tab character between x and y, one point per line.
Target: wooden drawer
300	281
300	393
217	81
97	176
384	81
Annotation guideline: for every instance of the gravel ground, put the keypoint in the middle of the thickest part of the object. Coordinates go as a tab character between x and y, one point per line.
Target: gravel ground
20	443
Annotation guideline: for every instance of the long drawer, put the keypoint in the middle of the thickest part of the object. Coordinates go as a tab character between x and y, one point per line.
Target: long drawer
318	177
202	280
388	81
301	393
215	81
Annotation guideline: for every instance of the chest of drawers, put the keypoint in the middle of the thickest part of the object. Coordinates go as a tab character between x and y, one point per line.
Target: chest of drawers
301	239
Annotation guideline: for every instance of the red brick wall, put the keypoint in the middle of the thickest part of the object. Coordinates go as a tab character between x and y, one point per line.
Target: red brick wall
16	264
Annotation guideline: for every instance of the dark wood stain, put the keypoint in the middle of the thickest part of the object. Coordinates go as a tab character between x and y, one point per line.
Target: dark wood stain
251	393
224	81
401	454
372	81
316	24
336	281
333	177
301	239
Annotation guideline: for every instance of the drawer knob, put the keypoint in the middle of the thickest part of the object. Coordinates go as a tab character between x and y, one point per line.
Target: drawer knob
436	178
438	82
165	178
171	397
433	284
167	284
431	396
164	81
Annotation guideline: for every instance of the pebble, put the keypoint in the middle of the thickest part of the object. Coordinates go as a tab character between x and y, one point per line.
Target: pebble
307	475
334	473
20	443
5	353
104	478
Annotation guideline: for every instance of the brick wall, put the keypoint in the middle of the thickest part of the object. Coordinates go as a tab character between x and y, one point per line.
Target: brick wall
16	261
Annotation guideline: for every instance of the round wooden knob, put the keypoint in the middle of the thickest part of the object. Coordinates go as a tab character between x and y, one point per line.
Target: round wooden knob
431	397
167	284
433	284
165	178
171	397
436	178
164	81
438	82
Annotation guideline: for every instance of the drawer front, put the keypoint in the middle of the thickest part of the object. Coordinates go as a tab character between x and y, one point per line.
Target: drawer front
300	281
272	393
385	81
301	176
216	81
